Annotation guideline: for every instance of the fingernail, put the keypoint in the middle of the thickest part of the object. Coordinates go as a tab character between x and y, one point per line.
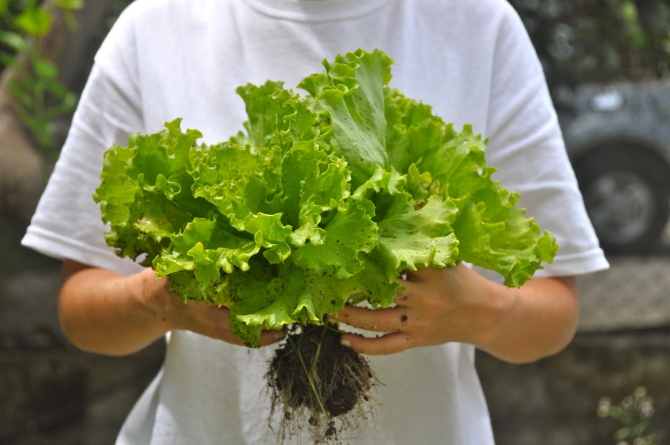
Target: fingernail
279	336
346	343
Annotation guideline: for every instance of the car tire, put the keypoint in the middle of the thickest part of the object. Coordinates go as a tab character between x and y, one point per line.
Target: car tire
626	190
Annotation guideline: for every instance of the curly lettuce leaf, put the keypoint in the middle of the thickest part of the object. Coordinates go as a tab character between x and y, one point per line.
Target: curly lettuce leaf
493	233
206	247
410	238
349	235
294	295
351	94
317	199
314	182
145	192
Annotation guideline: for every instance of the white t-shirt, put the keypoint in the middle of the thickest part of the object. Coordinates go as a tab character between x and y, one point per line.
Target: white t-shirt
471	60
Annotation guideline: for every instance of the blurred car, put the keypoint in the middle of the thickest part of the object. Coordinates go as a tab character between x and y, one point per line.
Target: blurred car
618	140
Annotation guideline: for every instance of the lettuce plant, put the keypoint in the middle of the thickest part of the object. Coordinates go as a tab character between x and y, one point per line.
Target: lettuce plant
321	197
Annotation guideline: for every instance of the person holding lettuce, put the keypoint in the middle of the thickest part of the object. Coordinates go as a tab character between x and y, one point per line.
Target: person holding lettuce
472	61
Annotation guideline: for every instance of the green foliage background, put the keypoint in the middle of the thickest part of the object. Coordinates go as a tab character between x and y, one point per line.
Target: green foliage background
39	95
585	41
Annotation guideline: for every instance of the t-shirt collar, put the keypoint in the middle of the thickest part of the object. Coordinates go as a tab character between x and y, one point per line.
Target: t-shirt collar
316	10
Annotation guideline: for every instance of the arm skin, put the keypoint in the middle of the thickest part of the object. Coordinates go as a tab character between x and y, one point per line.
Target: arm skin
107	313
459	305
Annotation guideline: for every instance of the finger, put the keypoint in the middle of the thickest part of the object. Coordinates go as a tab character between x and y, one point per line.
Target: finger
195	308
423	274
217	333
388	344
266	337
270	337
377	320
408	296
210	313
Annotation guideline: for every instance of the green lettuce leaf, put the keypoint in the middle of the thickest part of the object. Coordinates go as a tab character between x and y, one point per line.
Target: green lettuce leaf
206	247
317	199
351	94
410	238
349	235
145	192
294	295
492	231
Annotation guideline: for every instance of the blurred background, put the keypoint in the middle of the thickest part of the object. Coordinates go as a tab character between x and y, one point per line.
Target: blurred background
607	63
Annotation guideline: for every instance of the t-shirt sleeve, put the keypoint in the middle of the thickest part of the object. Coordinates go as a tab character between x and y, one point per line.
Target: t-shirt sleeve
526	144
67	222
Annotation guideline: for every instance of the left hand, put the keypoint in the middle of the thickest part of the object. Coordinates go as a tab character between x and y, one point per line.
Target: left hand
455	304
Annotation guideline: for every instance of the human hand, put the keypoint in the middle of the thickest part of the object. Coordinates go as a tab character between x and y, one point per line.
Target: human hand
438	306
202	318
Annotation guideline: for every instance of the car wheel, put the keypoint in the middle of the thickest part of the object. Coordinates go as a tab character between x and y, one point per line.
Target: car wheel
626	189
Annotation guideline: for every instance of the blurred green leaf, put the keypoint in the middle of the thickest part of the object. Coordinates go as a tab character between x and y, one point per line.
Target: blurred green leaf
629	12
13	40
45	69
638	39
70	5
70	20
34	21
41	127
57	90
66	105
21	94
6	59
640	428
4	4
622	433
27	81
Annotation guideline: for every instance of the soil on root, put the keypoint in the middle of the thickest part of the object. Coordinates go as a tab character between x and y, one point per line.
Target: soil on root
319	385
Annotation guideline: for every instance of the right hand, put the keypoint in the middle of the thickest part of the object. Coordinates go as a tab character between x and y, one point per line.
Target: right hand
202	318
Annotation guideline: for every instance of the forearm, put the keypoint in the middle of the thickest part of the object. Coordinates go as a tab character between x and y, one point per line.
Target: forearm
105	312
537	320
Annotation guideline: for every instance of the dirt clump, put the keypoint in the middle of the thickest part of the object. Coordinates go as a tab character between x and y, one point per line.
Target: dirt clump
319	385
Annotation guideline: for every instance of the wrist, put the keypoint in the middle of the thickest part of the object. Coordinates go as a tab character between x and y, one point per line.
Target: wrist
535	321
501	304
152	296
